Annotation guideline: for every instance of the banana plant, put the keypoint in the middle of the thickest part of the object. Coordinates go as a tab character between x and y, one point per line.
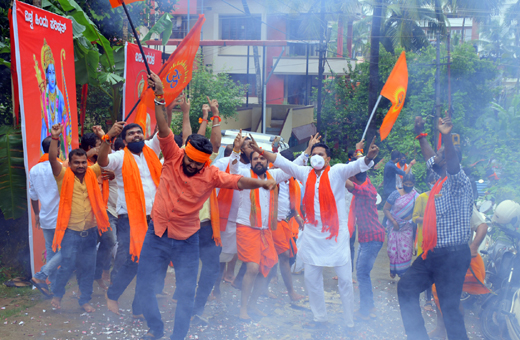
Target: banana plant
13	194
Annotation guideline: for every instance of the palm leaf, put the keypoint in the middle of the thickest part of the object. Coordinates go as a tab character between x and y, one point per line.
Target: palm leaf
13	189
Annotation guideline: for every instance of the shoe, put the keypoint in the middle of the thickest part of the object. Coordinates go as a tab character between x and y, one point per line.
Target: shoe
199	320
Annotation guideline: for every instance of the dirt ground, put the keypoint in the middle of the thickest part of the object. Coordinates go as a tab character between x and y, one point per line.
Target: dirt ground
26	315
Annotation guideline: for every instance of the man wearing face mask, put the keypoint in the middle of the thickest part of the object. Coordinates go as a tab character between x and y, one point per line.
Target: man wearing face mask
325	239
257	216
446	233
137	171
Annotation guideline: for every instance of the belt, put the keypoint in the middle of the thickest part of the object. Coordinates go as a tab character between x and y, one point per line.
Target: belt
205	224
84	233
148	217
451	249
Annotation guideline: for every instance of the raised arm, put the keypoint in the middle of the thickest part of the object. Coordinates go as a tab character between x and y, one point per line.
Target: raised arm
185	105
204	120
426	148
56	166
452	159
234	159
160	109
216	136
104	149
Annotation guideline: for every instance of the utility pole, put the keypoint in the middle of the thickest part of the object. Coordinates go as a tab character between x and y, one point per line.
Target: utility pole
437	74
321	63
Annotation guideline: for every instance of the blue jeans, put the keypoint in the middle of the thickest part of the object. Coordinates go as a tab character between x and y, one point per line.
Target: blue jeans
53	260
78	252
365	262
155	256
107	241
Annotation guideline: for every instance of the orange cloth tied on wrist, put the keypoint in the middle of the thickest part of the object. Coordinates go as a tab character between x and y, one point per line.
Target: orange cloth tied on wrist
65	207
196	155
430	220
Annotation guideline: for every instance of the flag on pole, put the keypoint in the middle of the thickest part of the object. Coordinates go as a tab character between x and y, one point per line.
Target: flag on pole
117	3
395	91
175	74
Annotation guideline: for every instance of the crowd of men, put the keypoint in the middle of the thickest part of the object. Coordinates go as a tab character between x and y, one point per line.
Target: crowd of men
250	205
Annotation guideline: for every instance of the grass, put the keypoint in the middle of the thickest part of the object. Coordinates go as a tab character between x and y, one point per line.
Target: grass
22	298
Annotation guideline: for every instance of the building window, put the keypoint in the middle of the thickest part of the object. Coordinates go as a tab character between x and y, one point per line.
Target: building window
243	79
240	27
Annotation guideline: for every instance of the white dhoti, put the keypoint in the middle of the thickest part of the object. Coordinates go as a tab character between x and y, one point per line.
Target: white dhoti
229	242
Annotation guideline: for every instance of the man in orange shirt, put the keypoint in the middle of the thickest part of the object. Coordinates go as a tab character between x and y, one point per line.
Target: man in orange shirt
173	235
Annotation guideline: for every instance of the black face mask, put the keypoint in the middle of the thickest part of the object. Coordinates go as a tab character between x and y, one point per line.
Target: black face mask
135	147
407	189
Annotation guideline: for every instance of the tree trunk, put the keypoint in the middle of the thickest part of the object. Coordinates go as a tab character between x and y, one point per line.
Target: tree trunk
339	48
350	36
256	58
463	29
373	84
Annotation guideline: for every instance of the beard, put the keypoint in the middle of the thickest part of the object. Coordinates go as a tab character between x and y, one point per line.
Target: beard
244	158
259	169
187	173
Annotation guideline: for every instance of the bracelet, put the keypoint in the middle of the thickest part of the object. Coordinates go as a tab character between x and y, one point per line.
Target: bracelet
215	125
262	153
106	138
359	150
359	154
219	119
202	120
57	138
159	96
421	135
162	102
235	151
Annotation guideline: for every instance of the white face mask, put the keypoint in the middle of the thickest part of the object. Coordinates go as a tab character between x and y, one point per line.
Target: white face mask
317	162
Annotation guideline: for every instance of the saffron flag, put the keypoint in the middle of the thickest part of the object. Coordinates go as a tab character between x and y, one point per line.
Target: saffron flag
395	91
176	73
117	3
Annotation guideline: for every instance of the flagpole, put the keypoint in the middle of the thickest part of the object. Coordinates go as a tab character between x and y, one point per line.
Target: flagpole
371	116
136	37
131	111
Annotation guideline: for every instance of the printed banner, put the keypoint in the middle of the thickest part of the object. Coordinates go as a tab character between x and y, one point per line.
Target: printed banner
47	93
136	81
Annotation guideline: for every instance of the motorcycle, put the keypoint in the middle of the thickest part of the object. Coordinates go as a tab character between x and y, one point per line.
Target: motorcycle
503	278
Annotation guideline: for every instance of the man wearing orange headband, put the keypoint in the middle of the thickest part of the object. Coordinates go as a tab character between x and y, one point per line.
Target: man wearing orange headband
173	235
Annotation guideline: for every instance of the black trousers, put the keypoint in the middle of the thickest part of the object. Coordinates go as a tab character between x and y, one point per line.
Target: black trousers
446	268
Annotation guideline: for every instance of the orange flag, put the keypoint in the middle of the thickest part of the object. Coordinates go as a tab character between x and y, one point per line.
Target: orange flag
175	74
395	91
117	3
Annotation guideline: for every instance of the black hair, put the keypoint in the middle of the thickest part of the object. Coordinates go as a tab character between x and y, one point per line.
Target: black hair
200	143
322	145
430	178
227	150
288	154
88	140
119	144
77	152
178	140
46	144
395	154
409	177
128	127
362	177
351	156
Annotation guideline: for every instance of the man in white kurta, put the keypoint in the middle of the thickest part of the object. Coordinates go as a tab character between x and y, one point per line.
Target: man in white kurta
316	248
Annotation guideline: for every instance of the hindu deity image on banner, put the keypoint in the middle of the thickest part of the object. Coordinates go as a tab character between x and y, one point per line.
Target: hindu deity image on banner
136	82
47	92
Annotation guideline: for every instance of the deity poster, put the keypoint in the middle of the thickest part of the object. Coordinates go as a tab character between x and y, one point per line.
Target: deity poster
136	81
47	93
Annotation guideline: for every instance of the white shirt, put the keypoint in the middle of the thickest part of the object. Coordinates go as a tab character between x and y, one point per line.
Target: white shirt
314	248
348	201
222	164
43	188
284	203
112	197
115	163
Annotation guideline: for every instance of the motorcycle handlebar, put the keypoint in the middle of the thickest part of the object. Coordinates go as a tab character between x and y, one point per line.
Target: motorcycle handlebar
509	232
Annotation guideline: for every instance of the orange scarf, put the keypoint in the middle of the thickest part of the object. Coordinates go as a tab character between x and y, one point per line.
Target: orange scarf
134	196
404	168
65	207
352	212
225	198
215	220
295	198
255	217
45	157
430	220
105	190
328	210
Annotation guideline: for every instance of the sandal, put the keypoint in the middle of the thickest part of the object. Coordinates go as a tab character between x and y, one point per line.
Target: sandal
16	283
43	288
150	336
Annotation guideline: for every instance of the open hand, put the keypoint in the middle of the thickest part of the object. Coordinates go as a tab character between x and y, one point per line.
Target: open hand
419	125
116	129
373	150
37	222
445	125
107	174
56	130
300	221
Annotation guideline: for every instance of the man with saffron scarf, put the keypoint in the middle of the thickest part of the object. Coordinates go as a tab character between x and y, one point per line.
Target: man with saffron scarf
446	233
187	181
257	216
137	170
81	208
325	239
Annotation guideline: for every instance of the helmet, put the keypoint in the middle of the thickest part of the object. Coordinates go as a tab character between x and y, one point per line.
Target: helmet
506	212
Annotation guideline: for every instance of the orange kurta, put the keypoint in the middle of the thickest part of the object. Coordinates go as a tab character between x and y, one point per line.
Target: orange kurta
256	245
